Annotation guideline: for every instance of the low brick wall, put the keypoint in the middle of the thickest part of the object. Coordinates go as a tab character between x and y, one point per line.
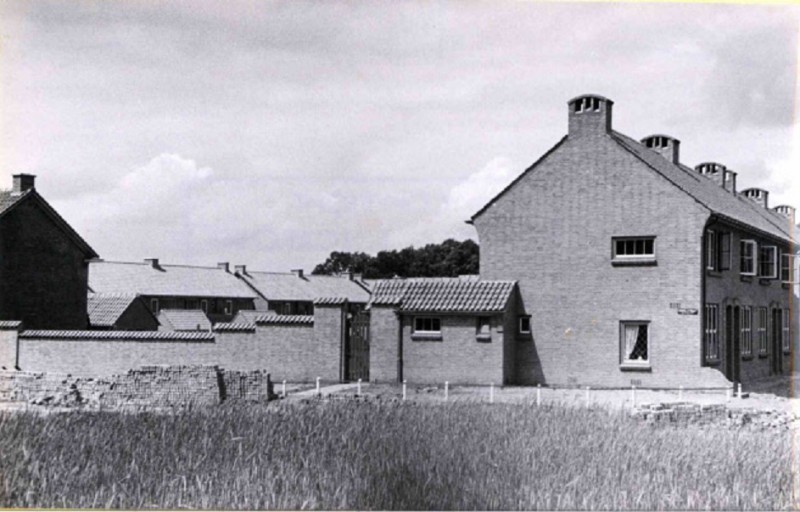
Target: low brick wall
686	414
148	386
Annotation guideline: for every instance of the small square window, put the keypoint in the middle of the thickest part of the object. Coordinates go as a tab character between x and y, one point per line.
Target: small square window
427	325
483	329
524	325
633	250
634	343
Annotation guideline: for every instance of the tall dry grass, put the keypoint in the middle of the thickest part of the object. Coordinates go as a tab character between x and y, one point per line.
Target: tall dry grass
384	456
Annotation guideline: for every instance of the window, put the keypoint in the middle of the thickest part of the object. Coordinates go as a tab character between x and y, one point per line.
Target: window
761	331
749	258
154	305
634	248
228	307
634	343
786	331
427	325
712	255
524	325
711	332
747	331
768	262
787	265
483	329
204	306
724	251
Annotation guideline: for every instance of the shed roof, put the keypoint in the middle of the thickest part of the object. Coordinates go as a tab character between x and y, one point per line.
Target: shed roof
442	295
166	280
184	320
292	287
105	309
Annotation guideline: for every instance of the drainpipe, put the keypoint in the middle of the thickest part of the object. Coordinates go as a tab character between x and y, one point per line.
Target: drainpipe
399	347
703	299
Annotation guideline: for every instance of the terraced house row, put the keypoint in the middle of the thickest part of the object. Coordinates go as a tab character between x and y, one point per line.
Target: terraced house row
608	262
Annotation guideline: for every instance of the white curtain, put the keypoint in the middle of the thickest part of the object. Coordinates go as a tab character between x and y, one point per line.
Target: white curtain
631	334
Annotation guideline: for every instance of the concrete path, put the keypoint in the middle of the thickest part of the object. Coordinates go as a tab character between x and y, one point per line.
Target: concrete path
326	390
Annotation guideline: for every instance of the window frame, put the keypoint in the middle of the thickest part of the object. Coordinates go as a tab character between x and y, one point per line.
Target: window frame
204	305
155	306
642	257
634	364
787	267
524	318
712	250
773	261
786	331
725	250
746	330
423	334
753	258
711	332
762	330
480	323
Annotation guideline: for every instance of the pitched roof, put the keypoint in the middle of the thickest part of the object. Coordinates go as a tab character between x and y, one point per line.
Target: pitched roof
105	309
166	280
288	286
714	197
184	320
708	193
119	335
443	295
272	318
9	200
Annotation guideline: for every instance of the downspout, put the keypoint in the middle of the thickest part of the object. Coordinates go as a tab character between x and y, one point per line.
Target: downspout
399	346
703	299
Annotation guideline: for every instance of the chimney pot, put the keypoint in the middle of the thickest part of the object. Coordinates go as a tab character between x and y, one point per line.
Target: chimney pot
241	269
757	195
224	265
729	181
153	262
23	183
664	145
786	210
713	171
298	272
589	115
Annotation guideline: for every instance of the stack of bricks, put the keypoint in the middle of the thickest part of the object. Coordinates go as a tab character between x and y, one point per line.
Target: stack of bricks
255	386
164	386
684	413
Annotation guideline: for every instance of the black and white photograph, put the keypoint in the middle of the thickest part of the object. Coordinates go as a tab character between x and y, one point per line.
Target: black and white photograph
381	255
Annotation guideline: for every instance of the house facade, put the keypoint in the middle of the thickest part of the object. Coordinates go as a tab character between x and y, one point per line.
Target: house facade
43	262
634	269
213	290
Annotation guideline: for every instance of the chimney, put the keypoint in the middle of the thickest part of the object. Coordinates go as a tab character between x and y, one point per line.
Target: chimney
589	115
298	272
729	181
664	145
240	269
22	183
757	195
153	262
786	210
357	276
224	265
713	171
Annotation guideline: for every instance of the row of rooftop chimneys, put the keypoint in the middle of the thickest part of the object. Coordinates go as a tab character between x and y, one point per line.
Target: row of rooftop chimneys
242	269
591	114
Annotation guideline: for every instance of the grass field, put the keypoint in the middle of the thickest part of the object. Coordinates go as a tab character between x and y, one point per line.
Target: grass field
385	456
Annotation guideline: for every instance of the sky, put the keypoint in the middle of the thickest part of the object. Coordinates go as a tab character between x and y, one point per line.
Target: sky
272	133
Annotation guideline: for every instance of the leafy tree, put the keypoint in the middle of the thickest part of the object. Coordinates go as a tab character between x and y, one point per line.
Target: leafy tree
450	258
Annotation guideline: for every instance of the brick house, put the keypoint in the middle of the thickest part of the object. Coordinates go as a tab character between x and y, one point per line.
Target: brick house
120	312
212	290
43	262
636	269
293	293
443	329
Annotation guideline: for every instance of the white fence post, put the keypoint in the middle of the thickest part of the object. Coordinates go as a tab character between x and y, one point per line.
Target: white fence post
318	385
446	389
283	391
680	392
491	392
740	390
538	394
728	394
404	390
633	395
358	389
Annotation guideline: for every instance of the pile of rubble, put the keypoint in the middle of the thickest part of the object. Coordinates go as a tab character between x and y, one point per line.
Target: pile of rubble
687	413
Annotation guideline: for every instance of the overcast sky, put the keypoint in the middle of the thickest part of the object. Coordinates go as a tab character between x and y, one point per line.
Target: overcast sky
271	133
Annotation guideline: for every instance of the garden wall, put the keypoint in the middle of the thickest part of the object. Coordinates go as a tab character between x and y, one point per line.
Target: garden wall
292	347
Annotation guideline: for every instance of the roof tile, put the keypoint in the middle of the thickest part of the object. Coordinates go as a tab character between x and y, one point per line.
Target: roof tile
443	295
